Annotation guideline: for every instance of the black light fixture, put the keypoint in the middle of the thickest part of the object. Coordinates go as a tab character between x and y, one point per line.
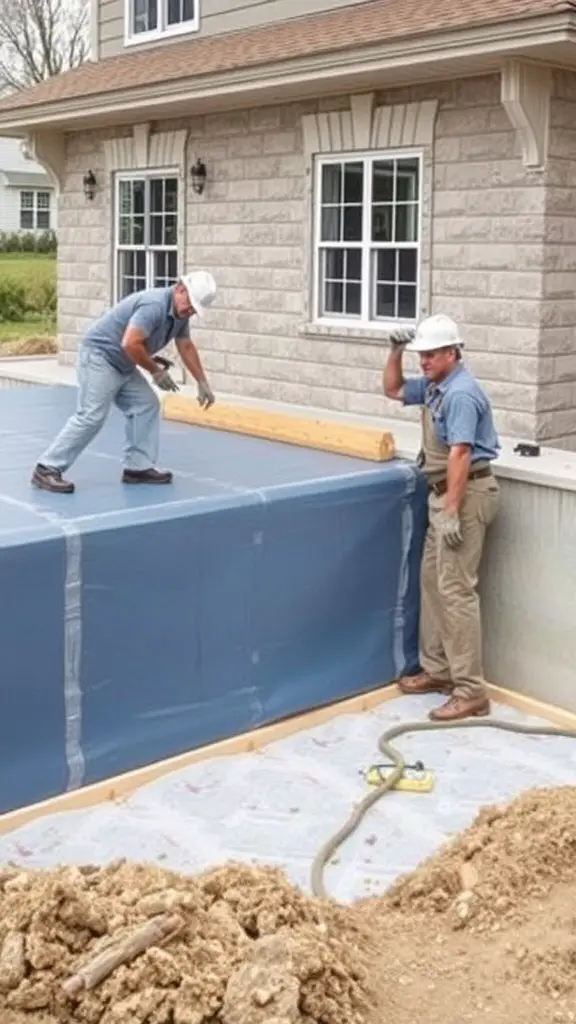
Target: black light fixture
89	183
198	175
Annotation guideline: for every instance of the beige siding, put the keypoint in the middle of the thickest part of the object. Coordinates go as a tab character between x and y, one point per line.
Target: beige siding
502	257
215	16
110	27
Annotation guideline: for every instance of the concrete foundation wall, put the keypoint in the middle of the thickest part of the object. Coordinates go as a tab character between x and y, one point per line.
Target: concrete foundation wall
528	588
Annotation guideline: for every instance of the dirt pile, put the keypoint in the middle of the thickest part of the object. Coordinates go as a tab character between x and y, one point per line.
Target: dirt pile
132	944
487	877
485	930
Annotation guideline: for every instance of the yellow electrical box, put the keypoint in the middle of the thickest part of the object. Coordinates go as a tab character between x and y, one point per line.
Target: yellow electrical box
411	782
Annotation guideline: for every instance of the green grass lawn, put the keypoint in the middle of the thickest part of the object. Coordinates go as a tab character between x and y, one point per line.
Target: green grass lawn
34	271
27	267
15	330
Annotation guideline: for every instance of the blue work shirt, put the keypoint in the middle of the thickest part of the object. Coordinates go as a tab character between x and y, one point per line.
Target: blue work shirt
151	311
460	411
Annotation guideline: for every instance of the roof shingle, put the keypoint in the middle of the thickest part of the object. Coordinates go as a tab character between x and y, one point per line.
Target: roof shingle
373	22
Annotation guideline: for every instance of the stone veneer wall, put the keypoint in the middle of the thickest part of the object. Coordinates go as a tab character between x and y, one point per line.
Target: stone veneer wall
501	256
556	403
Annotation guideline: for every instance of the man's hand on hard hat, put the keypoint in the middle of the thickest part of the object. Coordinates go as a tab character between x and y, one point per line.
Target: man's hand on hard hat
400	337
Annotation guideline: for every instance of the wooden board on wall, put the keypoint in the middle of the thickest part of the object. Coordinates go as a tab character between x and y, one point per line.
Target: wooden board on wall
309	432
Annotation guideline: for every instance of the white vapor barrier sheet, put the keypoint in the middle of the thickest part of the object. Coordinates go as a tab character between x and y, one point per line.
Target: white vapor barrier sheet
278	805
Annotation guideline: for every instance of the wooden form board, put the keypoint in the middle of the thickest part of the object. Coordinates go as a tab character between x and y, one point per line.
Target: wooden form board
325	435
121	786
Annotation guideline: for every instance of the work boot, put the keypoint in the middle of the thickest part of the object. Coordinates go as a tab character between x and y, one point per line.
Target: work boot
49	479
423	683
146	476
461	707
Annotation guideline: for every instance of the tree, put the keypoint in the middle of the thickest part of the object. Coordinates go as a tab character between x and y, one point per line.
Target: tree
41	38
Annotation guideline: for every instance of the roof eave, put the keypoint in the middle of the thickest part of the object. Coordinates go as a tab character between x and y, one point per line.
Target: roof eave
318	73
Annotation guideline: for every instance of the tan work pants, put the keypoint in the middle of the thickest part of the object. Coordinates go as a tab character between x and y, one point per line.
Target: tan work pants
450	627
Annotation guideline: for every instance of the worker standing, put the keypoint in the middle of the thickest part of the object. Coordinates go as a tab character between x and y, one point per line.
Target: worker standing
116	348
459	443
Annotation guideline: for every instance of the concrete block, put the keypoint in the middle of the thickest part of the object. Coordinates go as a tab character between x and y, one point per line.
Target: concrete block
281	142
499	145
564	367
511	284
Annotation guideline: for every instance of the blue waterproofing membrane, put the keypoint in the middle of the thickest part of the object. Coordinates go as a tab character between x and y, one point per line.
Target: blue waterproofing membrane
139	622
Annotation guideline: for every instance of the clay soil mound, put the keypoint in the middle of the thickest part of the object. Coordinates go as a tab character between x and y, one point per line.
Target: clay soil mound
236	945
483	931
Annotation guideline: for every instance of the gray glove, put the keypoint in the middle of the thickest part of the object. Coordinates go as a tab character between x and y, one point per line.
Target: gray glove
205	395
164	381
450	530
401	337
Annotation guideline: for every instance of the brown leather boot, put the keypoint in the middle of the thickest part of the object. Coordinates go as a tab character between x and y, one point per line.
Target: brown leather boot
423	683
146	476
49	479
461	707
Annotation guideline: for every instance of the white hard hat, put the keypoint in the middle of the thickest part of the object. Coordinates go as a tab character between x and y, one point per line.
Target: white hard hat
435	332
201	288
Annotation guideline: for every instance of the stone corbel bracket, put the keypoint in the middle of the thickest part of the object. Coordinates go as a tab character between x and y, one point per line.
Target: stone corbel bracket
49	150
525	95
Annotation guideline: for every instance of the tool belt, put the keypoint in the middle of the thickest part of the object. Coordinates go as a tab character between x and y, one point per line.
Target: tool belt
441	486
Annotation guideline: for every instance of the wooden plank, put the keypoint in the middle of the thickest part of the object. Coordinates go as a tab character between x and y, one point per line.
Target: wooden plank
308	432
550	713
121	786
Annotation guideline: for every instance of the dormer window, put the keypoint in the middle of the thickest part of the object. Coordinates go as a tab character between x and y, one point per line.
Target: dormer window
150	20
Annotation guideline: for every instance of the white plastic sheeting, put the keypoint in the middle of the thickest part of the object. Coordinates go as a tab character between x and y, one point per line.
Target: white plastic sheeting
278	805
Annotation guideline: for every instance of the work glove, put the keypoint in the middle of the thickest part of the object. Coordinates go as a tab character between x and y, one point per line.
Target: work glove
205	395
450	531
401	337
163	362
164	381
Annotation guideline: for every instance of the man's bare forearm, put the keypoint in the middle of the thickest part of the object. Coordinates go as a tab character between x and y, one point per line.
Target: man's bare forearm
458	470
191	359
393	377
138	353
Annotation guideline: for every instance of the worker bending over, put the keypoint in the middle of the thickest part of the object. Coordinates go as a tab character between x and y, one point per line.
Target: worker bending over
111	357
459	443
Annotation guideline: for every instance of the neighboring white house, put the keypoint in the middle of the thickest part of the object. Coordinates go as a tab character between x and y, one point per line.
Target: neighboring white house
27	194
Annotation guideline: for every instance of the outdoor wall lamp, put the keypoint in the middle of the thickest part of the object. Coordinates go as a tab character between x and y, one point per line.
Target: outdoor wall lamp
89	183
198	175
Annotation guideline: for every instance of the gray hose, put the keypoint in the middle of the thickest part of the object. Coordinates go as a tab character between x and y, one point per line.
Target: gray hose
327	851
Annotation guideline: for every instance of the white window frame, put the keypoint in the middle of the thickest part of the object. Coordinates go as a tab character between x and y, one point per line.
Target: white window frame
147	175
164	30
35	209
363	321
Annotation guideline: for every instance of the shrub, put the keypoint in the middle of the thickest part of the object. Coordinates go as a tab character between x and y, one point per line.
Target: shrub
47	242
13	242
27	242
41	298
13	300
